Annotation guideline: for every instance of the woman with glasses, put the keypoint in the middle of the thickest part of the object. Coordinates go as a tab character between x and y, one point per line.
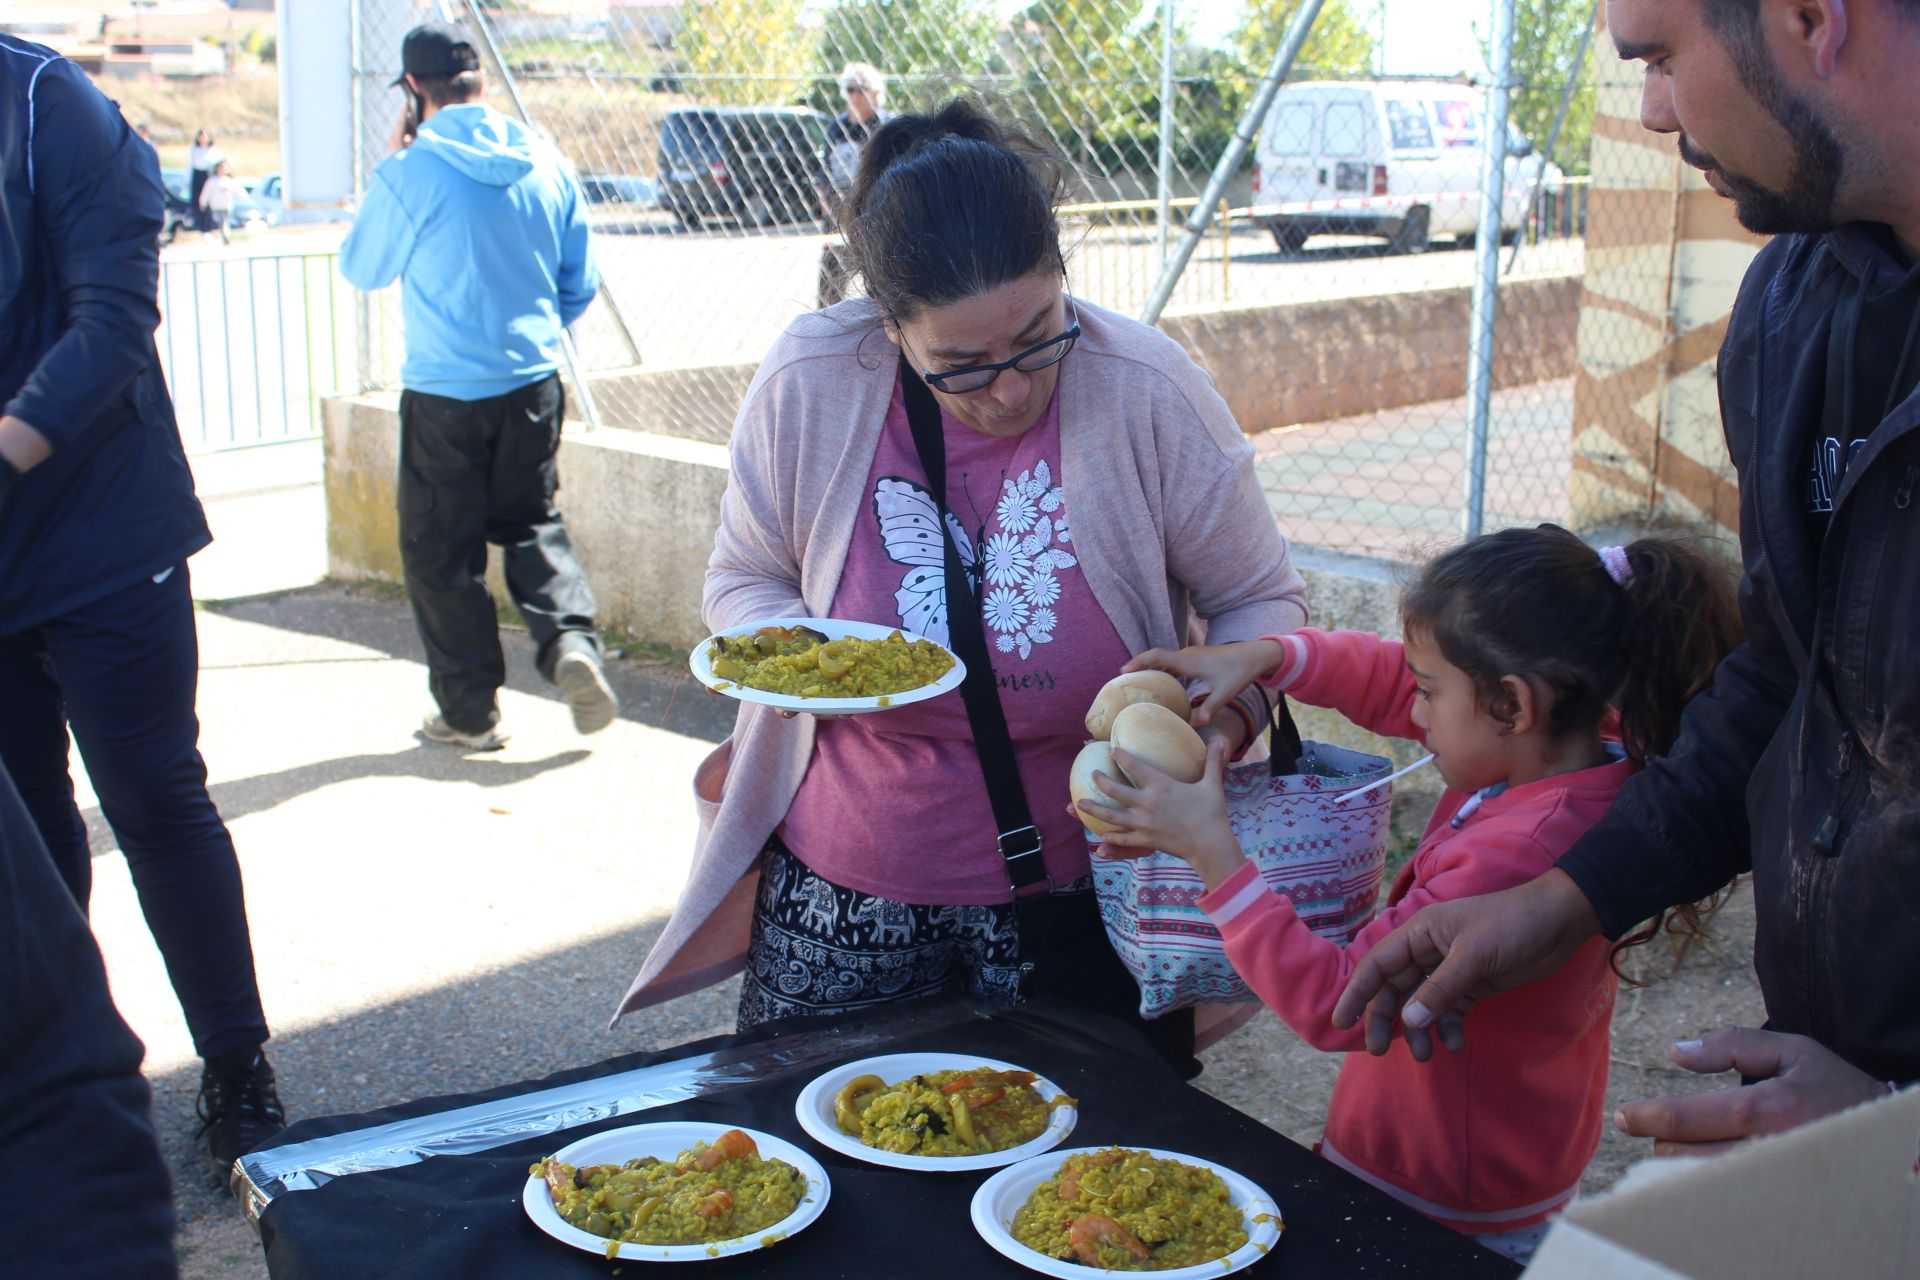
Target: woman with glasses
1098	500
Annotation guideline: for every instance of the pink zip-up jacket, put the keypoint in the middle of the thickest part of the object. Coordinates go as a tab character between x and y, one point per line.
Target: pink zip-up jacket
1496	1137
1169	523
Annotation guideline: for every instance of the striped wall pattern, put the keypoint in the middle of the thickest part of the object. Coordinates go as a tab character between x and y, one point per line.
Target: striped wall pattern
1664	261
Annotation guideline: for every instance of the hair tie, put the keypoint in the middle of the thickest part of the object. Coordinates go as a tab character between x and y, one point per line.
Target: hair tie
1618	567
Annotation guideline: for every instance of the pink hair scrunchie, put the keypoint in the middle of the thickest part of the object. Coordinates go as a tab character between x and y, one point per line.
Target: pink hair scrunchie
1618	567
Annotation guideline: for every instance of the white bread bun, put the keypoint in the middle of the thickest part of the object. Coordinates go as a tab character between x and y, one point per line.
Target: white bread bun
1162	738
1095	757
1124	691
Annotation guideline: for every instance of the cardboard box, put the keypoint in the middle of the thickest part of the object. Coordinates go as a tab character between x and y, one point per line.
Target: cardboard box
1836	1200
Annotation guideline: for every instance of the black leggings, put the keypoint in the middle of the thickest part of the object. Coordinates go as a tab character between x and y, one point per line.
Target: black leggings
122	673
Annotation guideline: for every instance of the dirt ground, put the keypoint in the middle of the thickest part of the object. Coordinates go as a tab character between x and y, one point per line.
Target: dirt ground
1269	1073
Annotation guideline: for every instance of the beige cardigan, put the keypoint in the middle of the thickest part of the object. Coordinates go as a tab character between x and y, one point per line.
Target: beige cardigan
1168	524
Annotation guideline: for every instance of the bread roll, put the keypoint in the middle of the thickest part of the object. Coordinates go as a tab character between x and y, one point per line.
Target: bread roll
1095	757
1127	690
1162	738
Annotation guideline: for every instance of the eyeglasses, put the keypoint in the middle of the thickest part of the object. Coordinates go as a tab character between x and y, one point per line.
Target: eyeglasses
977	377
854	88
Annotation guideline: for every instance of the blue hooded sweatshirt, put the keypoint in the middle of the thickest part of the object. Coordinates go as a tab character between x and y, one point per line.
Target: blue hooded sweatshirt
482	224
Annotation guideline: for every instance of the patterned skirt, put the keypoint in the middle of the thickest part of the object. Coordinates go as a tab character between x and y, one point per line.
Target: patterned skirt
821	948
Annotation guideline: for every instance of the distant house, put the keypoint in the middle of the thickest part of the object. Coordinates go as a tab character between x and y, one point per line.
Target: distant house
178	38
655	22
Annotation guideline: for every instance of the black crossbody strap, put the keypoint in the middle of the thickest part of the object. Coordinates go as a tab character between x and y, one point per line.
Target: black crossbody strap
1019	841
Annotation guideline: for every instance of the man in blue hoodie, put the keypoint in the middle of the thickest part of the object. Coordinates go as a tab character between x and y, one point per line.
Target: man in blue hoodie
483	225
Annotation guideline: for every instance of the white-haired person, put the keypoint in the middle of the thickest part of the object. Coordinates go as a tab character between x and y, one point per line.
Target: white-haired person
865	89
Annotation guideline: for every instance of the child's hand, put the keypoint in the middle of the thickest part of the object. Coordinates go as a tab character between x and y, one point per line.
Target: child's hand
1225	669
1186	819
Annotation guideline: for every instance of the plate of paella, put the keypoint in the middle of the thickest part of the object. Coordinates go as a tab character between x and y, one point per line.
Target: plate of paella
1112	1210
675	1192
827	666
935	1112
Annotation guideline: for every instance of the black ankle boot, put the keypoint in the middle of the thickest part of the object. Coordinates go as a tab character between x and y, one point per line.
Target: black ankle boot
239	1108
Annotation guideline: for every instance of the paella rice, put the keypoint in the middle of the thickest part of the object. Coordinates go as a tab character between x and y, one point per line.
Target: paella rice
961	1112
708	1193
803	663
1129	1211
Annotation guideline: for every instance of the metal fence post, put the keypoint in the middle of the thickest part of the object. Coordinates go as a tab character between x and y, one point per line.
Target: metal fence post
1277	71
1486	279
1547	148
1166	126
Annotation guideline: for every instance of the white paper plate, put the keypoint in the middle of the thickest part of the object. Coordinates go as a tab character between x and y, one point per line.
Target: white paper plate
814	1108
833	628
665	1141
1001	1196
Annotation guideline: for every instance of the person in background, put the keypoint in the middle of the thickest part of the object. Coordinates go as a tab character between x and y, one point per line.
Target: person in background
1519	646
97	519
1800	764
202	156
217	200
481	413
71	1090
865	91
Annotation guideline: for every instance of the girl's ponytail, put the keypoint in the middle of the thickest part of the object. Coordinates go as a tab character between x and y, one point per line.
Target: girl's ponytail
1683	621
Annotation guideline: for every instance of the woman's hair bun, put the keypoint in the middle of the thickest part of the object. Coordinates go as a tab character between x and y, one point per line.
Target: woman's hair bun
952	204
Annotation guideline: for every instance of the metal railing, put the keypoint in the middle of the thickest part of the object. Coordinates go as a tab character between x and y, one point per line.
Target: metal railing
250	345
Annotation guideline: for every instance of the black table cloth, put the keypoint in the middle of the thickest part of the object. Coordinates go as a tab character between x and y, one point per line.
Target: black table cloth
461	1216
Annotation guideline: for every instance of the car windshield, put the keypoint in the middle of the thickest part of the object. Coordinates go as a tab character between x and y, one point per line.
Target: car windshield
693	134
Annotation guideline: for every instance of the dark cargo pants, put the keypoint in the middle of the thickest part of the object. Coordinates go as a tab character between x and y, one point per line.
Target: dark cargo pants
474	472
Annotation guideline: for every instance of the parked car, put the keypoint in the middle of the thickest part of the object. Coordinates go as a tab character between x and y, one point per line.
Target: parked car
759	165
633	189
270	194
247	215
1401	158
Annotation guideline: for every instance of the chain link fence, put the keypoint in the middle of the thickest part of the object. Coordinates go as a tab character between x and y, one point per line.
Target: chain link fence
1329	296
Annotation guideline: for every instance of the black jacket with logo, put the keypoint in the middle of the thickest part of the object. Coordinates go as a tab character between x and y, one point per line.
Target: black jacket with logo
1802	762
80	202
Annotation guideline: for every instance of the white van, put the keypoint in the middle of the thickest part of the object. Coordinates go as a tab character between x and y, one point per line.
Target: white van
1392	158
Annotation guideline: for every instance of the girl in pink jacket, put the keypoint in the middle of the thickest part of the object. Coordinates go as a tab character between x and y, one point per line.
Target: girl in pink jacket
1521	648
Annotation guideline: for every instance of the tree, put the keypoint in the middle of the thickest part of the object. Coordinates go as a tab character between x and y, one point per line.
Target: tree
1340	44
746	52
1546	35
917	44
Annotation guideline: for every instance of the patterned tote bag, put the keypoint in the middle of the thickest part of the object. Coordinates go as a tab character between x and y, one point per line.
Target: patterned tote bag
1323	857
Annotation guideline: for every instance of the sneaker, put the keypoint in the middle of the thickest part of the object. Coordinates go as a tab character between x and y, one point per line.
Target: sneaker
239	1110
436	727
584	687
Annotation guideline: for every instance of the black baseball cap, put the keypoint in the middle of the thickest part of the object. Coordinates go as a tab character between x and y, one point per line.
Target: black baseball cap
437	49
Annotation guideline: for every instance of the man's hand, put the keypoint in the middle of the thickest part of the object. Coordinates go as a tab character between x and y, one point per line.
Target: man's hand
1801	1080
1454	954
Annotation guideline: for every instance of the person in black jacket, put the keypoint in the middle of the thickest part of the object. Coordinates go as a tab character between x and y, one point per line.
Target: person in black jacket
97	519
73	1101
1802	762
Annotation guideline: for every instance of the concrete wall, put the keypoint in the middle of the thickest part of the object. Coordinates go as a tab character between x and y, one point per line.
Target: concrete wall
1277	366
1318	361
1664	261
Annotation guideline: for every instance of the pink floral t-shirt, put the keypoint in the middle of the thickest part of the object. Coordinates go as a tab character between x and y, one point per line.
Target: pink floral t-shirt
893	803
